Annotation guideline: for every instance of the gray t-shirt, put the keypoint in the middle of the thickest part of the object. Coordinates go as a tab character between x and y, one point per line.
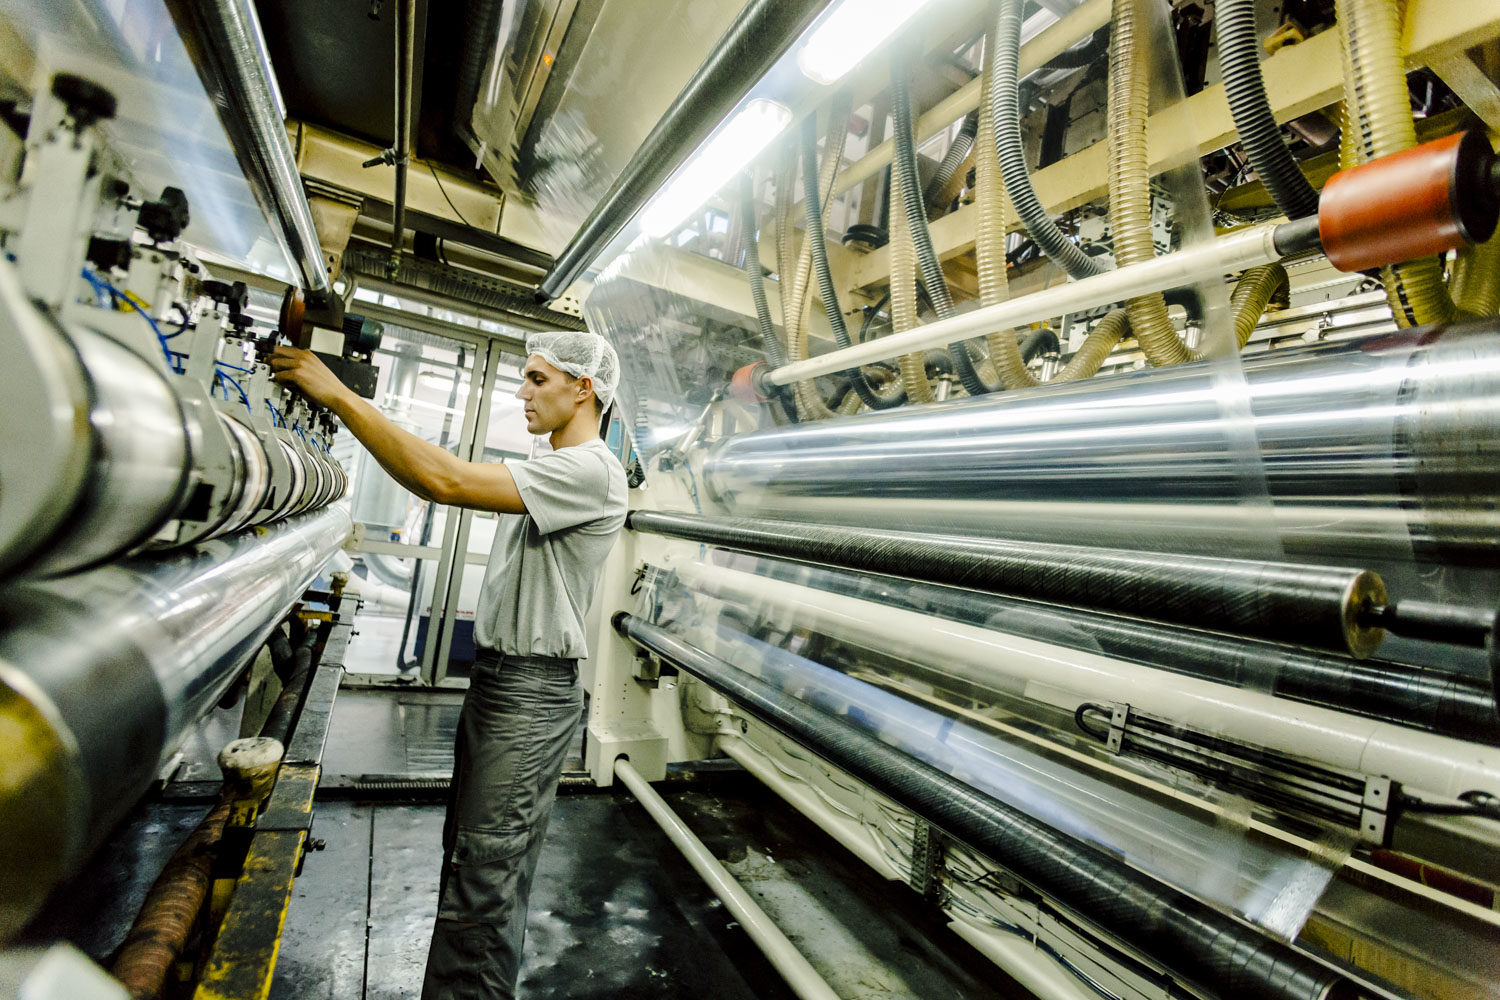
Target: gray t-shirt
545	564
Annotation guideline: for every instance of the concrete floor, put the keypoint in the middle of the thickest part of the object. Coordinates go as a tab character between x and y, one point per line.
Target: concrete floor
615	912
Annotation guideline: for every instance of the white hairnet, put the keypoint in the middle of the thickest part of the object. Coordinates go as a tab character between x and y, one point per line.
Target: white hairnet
580	354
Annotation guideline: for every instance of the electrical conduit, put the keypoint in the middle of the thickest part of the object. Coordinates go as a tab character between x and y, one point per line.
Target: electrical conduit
1003	103
796	306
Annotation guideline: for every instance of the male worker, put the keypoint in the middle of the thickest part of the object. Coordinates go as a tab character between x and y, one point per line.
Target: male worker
565	510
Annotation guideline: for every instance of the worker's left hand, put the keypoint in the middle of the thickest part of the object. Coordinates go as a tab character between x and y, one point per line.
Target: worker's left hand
302	369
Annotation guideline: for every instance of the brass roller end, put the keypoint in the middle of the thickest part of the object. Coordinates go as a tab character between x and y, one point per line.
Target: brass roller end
37	771
1365	591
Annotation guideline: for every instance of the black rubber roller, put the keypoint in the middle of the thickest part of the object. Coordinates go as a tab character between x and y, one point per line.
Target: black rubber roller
1318	606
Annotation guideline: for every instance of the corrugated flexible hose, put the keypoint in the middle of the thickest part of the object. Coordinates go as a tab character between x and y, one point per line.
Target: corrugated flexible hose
904	175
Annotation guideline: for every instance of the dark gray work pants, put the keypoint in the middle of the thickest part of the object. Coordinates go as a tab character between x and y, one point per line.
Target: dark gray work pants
514	734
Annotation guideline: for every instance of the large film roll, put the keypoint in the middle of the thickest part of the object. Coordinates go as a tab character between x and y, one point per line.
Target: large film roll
1386	449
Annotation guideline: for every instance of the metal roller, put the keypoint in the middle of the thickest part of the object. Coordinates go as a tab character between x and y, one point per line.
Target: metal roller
1311	605
1438	701
1380	449
1218	955
103	673
96	455
103	453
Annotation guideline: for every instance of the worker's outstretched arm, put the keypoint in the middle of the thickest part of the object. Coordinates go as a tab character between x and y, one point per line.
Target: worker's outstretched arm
422	467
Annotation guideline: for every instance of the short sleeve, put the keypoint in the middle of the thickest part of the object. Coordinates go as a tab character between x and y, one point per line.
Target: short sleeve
563	489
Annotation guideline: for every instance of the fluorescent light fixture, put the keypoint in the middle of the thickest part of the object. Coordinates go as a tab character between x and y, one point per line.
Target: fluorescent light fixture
736	143
851	32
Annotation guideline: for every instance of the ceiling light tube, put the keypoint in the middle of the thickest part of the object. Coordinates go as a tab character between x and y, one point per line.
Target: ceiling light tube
851	32
737	142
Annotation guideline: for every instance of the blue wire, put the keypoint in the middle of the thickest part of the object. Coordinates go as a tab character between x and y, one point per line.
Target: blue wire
280	420
244	397
237	368
118	296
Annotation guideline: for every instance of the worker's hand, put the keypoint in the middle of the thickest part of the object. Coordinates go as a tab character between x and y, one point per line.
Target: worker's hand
301	369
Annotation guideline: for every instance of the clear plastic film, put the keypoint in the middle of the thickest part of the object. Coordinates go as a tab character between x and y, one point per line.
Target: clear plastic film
1209	852
575	108
165	130
1300	453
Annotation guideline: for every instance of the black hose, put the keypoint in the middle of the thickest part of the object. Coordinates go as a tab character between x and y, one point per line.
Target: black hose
771	344
1190	939
1239	61
1284	602
958	151
1006	107
905	164
1043	341
283	716
871	396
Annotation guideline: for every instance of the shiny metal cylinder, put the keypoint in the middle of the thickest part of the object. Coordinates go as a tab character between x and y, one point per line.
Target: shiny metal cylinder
102	453
1382	449
131	436
256	478
103	673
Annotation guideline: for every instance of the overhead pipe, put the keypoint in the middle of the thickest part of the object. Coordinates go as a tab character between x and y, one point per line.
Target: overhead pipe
104	673
406	53
1067	678
1311	605
1226	255
753	44
1195	942
794	967
1377	449
225	41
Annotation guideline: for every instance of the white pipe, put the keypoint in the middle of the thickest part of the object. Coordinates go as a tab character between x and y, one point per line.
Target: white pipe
1067	678
791	963
1213	260
805	800
1024	962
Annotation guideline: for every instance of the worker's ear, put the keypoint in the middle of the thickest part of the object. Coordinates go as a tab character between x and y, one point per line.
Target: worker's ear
585	385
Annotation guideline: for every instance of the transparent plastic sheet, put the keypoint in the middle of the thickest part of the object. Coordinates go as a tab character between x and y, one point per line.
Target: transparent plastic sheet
1180	183
165	129
633	63
1208	852
1446	702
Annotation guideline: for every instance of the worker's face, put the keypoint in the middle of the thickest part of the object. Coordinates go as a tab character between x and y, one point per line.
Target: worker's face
551	397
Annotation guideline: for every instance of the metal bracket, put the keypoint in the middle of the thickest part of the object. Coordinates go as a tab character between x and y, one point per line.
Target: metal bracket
1119	719
929	849
1375	809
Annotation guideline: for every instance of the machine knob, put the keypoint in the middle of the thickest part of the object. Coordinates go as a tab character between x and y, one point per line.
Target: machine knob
165	218
235	296
86	101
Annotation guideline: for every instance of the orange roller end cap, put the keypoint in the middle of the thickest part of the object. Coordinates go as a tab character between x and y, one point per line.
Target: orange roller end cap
745	384
1422	201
